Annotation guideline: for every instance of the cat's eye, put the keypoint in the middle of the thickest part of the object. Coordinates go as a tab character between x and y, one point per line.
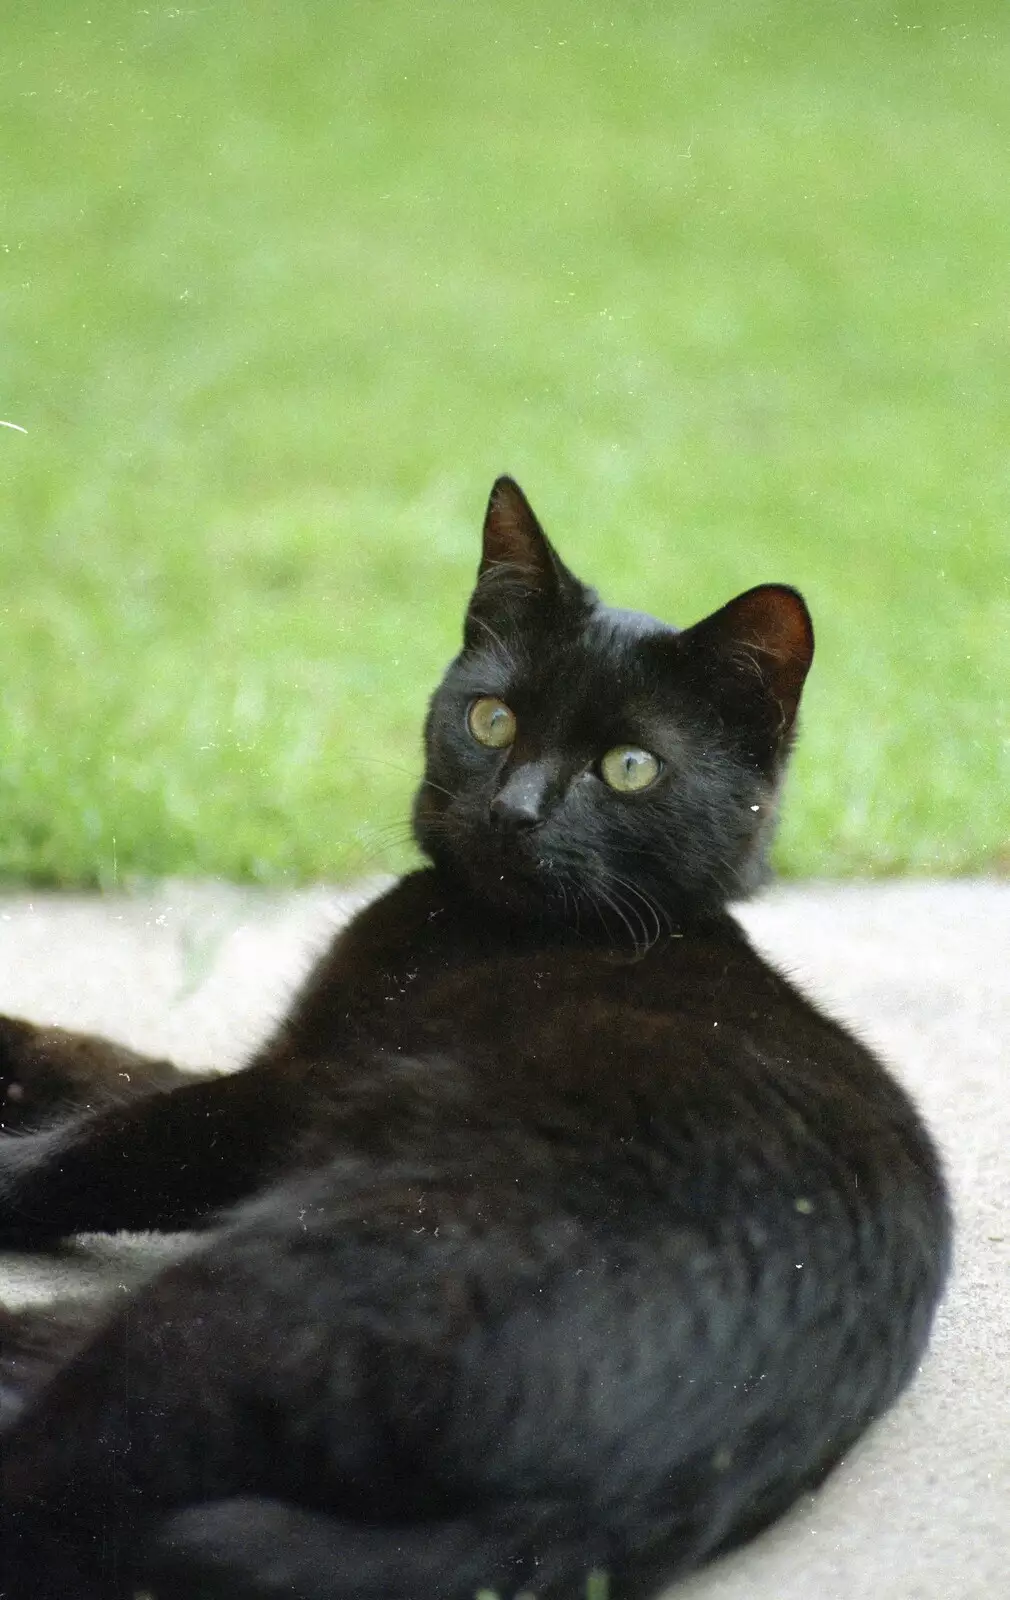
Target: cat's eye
491	723
628	769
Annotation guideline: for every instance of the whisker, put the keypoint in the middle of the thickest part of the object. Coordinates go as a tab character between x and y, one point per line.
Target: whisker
602	898
636	901
394	766
420	779
429	783
569	904
658	916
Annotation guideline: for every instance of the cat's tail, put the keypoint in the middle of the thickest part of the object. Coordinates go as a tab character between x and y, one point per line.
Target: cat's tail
260	1549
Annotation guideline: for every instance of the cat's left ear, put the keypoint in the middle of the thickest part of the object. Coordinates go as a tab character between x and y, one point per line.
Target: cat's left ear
518	563
514	539
763	641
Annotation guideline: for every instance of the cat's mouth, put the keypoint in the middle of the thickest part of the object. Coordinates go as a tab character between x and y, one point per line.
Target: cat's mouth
509	856
529	874
512	870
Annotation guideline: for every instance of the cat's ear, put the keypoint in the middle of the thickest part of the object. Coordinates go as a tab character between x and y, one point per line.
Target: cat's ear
518	563
515	541
762	641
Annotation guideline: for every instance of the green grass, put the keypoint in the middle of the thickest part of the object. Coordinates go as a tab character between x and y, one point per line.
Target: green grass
284	287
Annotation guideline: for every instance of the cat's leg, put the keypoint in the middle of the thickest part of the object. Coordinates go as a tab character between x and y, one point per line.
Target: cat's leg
46	1070
163	1406
37	1567
256	1548
276	1362
260	1549
163	1161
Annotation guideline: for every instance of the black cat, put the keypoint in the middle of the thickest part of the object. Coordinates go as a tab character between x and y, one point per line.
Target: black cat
554	1232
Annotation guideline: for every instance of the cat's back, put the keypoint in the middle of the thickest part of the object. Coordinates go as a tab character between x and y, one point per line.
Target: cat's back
660	1209
691	1075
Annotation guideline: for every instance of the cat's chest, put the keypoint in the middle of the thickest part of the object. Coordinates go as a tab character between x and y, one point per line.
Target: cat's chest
413	974
551	1004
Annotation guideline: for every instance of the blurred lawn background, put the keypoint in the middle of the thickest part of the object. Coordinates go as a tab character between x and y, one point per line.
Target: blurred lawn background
284	287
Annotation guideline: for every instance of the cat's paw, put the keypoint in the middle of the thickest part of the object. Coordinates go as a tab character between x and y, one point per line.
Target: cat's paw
36	1210
46	1071
33	1086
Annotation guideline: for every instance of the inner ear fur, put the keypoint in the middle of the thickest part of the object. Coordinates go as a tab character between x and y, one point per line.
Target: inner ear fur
514	541
765	635
518	563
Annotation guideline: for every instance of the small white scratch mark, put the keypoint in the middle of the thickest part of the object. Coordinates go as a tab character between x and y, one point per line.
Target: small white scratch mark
15	425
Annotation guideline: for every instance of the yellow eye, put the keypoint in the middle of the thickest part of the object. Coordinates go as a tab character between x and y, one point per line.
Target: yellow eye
628	769
491	723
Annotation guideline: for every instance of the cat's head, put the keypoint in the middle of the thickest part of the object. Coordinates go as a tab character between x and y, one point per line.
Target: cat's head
596	768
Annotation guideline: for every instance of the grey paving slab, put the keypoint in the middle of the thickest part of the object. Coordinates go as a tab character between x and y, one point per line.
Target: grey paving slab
921	1510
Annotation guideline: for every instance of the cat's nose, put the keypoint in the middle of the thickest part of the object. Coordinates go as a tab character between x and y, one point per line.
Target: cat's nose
521	799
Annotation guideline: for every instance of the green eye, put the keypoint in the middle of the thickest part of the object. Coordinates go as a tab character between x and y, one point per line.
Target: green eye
491	723
628	769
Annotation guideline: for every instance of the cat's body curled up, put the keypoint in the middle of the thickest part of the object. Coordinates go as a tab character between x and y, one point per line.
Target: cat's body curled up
553	1231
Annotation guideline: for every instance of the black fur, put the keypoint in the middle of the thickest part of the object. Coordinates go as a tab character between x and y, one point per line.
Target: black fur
565	1235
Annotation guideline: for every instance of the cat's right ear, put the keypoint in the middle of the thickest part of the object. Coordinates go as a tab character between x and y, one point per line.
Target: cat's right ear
754	656
518	564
